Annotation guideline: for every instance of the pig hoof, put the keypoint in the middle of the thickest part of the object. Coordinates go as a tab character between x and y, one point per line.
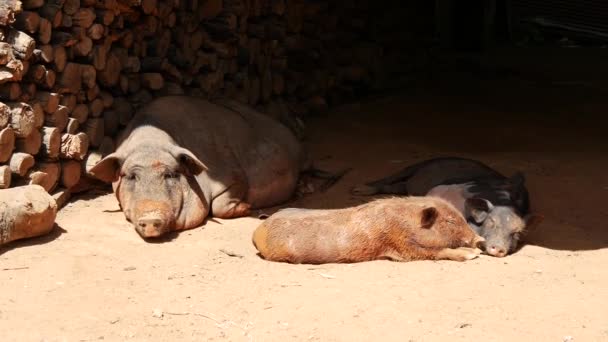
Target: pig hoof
363	190
460	254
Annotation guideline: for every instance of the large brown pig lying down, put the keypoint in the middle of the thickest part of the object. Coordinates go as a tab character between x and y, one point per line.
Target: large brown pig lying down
400	229
182	159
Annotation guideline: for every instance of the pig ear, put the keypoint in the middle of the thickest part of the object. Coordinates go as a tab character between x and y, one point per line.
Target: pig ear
477	209
428	218
533	220
107	168
187	158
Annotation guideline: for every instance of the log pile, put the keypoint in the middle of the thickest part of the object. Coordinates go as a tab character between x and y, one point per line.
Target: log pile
72	72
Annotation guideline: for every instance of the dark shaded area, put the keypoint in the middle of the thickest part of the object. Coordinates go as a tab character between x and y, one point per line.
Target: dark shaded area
54	234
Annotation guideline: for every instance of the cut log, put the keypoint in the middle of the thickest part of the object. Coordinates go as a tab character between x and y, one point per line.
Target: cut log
152	80
96	107
70	173
61	57
7	144
21	163
26	212
110	75
64	39
74	146
83	47
94	128
8	10
52	12
107	99
104	16
68	100
52	171
44	53
89	76
22	118
9	92
5	115
12	71
96	31
51	143
5	177
45	30
31	144
28	91
210	9
28	21
58	119
71	6
32	4
93	93
49	101
72	127
70	79
6	53
66	20
84	17
80	113
38	114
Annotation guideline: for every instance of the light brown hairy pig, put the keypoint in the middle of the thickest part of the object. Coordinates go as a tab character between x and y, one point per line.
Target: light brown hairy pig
182	159
399	229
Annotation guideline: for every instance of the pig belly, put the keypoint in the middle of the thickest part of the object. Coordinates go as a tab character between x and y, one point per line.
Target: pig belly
455	194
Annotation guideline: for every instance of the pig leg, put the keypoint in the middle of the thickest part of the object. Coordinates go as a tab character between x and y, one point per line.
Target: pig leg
458	254
230	203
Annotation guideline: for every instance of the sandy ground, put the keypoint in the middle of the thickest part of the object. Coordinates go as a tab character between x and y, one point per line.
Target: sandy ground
95	279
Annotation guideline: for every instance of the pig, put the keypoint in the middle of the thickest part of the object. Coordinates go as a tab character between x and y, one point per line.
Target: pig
398	229
495	206
182	159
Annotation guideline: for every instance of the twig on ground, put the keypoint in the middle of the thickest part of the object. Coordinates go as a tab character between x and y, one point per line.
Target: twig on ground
231	254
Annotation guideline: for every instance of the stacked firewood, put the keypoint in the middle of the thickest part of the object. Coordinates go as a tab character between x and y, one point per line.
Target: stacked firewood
72	72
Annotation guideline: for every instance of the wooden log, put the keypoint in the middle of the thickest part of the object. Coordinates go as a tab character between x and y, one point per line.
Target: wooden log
38	113
107	99
44	53
110	75
5	177
149	7
51	143
66	21
70	7
8	10
80	113
152	81
22	118
94	128
28	21
89	76
61	58
72	127
70	80
83	47
68	100
12	71
58	119
52	12
52	171
9	92
48	100
74	146
104	17
32	4
96	31
6	53
93	93
26	212
31	144
28	91
210	9
70	173
64	39
5	115
20	163
111	122
45	30
96	107
7	144
84	17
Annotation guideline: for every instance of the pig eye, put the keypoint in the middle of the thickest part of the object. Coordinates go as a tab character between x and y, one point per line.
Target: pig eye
171	175
130	176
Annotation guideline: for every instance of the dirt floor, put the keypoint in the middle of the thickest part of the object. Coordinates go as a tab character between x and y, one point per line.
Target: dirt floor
94	278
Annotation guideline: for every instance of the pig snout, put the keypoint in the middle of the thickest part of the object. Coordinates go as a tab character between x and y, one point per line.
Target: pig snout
496	251
151	219
150	226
